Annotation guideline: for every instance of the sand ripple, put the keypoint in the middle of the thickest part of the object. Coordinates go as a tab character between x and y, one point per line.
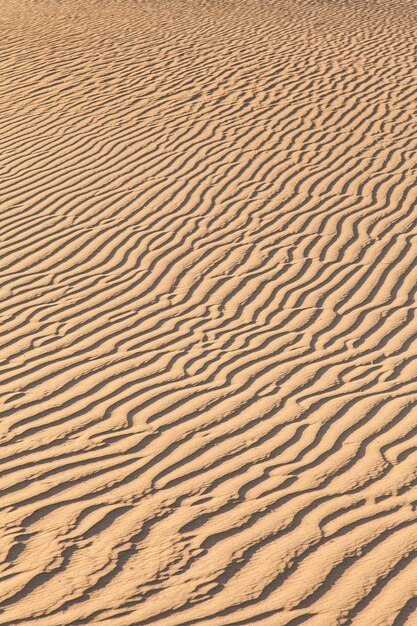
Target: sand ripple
208	272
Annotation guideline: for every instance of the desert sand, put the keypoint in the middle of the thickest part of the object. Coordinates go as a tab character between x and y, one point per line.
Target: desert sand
208	312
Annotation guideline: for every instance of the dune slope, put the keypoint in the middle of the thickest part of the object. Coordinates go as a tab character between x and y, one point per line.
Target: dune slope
208	278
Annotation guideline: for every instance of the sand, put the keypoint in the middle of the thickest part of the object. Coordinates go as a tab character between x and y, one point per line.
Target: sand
208	287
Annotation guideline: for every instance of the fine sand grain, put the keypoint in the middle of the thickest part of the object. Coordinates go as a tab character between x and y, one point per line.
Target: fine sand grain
208	278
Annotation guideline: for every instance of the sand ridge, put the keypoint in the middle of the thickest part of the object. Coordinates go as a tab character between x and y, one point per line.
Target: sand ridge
208	324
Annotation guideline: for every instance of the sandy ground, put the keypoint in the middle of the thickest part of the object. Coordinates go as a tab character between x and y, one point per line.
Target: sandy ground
208	278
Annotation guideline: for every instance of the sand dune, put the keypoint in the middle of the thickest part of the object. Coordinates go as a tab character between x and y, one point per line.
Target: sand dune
208	320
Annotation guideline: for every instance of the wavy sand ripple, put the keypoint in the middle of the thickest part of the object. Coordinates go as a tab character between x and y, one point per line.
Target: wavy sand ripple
208	316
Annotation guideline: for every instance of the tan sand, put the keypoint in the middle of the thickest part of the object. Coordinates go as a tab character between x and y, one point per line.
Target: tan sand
209	336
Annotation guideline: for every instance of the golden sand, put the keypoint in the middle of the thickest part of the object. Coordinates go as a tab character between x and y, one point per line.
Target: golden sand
208	274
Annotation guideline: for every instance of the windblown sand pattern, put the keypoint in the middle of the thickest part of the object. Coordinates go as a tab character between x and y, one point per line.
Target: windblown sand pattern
208	323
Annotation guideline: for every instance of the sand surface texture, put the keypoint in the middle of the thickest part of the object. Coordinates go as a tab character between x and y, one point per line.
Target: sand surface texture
208	275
